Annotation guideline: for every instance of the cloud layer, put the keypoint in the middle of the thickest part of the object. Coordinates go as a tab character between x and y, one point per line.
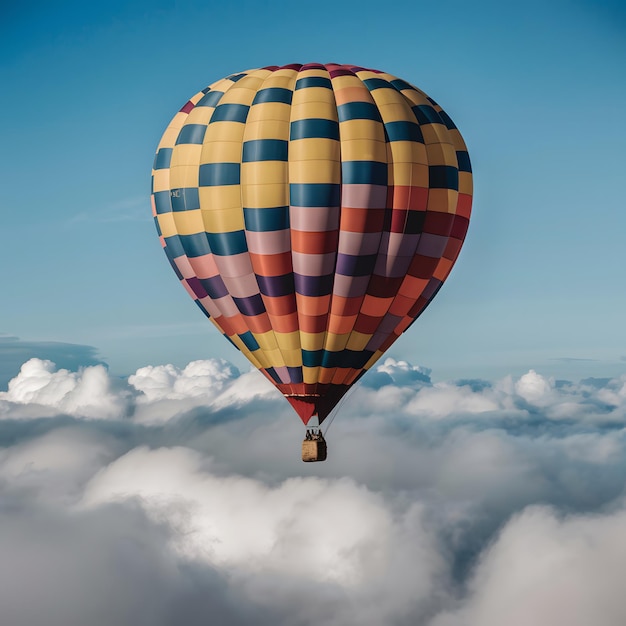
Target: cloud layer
179	493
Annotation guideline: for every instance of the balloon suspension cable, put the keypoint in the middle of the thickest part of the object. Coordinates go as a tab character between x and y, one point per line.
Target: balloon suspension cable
335	410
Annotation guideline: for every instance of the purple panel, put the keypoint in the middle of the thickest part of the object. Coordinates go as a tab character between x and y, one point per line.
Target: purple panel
431	288
313	264
364	196
196	287
350	286
250	306
313	285
432	245
270	242
355	265
314	219
392	266
276	286
376	341
388	324
399	244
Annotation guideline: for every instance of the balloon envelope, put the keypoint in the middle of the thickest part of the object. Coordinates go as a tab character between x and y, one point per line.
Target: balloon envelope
312	212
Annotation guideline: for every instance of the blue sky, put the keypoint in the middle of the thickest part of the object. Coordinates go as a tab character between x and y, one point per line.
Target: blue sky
537	90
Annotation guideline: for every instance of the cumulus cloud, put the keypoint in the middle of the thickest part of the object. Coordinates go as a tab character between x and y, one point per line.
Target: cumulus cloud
458	503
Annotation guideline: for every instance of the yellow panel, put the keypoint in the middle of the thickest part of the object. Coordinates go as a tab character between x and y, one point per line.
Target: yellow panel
314	149
238	95
266	341
265	129
200	115
312	341
189	222
161	180
361	129
264	172
416	97
335	343
223	220
305	109
186	154
399	112
341	82
268	111
465	183
288	341
434	133
409	174
310	375
220	197
183	176
281	78
166	224
266	196
275	357
364	150
408	152
441	154
456	139
442	200
358	341
221	152
314	94
293	358
315	172
373	359
224	131
387	97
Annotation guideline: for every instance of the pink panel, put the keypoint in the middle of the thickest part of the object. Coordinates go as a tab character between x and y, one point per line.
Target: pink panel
313	264
358	243
241	286
234	265
314	219
210	306
272	242
364	196
350	286
227	306
204	266
184	267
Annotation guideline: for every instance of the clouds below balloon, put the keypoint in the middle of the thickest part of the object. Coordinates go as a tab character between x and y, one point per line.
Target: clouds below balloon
441	504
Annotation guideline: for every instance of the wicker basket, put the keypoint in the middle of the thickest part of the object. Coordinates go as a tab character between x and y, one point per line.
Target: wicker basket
313	450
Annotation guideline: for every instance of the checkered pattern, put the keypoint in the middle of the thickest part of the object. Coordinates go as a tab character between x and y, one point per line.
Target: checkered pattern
312	212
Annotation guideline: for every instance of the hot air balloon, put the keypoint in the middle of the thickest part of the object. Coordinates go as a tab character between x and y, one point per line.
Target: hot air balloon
312	212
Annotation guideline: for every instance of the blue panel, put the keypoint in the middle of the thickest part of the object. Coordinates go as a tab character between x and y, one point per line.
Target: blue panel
446	120
401	84
314	194
344	358
443	177
275	377
464	161
195	245
266	220
162	202
249	341
210	99
227	244
313	128
265	150
174	247
158	227
313	81
163	158
358	111
185	199
273	94
403	131
230	113
312	358
191	133
171	260
377	83
218	174
426	114
236	77
363	173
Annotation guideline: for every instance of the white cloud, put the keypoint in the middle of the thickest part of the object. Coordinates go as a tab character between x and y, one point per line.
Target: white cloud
86	393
